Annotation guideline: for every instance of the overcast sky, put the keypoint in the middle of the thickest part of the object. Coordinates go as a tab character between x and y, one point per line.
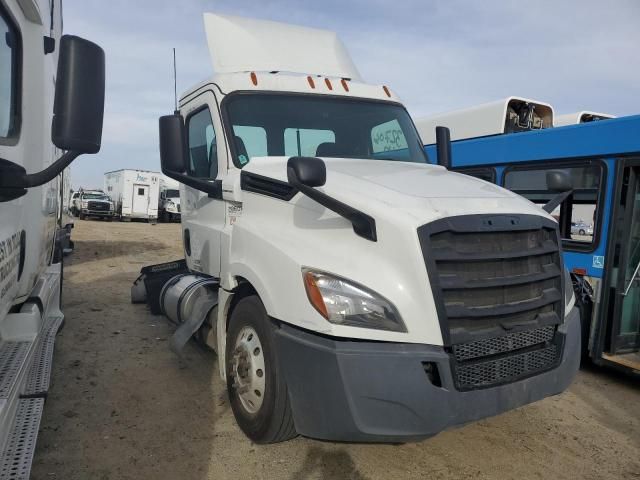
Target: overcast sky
437	55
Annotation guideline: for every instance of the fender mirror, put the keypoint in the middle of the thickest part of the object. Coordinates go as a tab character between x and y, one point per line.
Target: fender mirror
309	171
559	182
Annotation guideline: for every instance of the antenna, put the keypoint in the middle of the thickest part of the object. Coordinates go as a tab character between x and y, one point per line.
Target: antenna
175	83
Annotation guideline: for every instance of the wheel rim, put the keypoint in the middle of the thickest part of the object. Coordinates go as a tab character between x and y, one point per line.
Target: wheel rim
247	370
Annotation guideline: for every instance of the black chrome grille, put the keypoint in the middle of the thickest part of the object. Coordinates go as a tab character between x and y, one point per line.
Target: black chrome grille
97	206
497	282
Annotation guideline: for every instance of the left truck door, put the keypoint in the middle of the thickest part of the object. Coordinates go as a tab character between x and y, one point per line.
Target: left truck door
203	217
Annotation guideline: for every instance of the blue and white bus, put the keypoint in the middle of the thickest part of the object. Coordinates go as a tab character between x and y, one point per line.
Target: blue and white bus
599	221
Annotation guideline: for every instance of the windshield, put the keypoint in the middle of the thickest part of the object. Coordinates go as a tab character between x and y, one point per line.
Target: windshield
321	126
94	196
171	193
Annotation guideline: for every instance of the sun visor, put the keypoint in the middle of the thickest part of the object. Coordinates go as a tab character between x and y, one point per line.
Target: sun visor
238	44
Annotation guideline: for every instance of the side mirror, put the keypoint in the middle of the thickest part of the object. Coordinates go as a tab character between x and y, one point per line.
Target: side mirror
78	112
173	145
78	108
174	159
443	147
558	181
309	171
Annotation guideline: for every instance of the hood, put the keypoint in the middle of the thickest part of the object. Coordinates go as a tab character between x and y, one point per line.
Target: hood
421	191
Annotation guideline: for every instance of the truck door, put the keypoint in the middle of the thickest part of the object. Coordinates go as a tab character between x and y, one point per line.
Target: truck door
626	312
203	217
140	199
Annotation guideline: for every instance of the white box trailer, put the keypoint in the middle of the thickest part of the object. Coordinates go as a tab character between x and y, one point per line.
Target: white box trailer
134	192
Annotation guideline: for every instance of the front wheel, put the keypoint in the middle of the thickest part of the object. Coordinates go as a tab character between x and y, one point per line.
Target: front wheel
257	389
582	232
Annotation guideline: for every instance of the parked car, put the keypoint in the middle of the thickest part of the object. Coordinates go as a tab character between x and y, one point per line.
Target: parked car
581	228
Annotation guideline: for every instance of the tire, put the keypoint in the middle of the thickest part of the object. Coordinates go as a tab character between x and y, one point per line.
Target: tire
582	232
270	421
82	216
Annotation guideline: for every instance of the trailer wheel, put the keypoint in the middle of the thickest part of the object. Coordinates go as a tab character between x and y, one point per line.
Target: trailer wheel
582	232
257	390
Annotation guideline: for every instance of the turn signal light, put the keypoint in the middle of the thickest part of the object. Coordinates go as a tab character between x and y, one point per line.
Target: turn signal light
314	294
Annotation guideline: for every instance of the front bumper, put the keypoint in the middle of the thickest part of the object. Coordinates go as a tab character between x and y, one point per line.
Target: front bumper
379	392
98	213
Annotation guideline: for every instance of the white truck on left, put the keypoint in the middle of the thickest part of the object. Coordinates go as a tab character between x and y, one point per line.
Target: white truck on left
51	111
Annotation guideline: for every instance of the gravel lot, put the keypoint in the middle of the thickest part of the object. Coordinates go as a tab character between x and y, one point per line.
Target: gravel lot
122	405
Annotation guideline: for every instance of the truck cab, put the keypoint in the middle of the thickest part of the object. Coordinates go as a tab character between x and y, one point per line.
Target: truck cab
363	294
51	110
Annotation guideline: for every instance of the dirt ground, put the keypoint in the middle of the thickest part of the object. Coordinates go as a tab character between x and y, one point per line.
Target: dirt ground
123	406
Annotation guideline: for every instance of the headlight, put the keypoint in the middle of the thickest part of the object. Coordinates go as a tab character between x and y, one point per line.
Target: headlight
110	205
343	302
170	203
84	204
569	297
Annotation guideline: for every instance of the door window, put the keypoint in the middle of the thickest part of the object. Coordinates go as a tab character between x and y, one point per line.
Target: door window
579	212
9	57
140	191
203	152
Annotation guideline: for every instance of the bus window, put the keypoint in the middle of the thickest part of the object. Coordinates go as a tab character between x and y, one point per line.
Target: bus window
580	229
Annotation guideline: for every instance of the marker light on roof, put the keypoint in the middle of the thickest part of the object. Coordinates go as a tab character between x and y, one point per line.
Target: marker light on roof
329	86
345	85
254	78
386	90
311	82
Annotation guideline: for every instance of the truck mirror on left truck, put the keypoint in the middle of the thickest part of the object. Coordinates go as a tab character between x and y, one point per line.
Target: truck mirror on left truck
77	115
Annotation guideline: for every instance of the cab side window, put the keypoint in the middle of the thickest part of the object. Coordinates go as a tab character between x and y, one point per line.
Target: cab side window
9	76
203	153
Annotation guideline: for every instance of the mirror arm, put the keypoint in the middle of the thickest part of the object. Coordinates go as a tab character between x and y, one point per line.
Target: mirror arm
14	176
213	189
363	224
552	204
51	172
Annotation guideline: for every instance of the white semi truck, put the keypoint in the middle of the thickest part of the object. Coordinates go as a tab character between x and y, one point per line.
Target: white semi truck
351	290
51	109
134	192
169	206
